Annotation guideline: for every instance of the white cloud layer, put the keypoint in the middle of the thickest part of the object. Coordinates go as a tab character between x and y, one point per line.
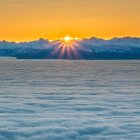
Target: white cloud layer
69	100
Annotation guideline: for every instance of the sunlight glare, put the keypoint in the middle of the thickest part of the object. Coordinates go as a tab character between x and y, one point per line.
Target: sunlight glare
67	38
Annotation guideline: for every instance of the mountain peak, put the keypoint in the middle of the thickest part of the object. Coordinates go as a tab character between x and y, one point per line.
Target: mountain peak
42	39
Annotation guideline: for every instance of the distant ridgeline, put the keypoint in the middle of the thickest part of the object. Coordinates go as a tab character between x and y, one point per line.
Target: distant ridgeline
88	49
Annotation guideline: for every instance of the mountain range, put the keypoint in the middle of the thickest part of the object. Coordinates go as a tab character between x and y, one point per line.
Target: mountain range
90	49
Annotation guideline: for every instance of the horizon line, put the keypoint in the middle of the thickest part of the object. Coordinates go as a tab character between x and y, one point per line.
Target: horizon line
51	40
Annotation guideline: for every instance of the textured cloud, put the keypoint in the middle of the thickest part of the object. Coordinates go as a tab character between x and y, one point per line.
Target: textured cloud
69	100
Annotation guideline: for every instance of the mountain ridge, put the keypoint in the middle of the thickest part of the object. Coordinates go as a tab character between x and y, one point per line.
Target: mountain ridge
90	48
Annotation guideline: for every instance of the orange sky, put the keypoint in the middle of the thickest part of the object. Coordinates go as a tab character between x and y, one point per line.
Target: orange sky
31	19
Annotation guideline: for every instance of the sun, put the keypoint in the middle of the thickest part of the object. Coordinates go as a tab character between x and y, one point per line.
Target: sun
67	48
68	38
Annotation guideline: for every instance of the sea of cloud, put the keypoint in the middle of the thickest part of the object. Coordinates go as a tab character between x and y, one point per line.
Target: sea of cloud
70	101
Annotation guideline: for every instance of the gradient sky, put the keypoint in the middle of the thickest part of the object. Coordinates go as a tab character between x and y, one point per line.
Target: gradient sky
31	19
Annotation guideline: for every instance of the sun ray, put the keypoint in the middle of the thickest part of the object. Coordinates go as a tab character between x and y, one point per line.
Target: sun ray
67	48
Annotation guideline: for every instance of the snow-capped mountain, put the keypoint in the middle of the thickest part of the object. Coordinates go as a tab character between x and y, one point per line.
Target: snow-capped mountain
92	48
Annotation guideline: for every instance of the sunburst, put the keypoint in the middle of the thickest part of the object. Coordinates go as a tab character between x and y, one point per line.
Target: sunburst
67	48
